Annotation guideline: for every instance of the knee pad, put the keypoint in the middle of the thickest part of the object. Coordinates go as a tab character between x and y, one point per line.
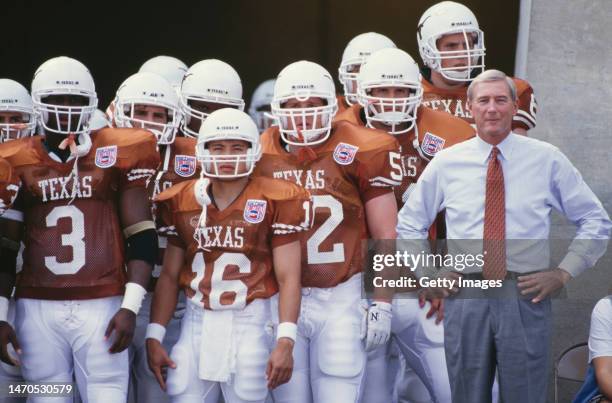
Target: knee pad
340	351
249	381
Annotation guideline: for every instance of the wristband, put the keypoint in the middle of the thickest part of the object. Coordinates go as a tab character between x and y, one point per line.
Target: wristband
4	305
134	294
155	331
288	330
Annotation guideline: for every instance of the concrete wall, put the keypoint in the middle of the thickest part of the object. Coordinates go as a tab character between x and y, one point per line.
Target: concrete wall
569	65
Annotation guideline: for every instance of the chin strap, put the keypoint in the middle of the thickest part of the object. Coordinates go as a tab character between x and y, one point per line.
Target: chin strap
201	195
76	151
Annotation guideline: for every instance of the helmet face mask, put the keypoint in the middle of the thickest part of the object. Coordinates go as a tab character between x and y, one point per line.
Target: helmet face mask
224	132
305	126
304	103
390	90
145	94
398	114
64	96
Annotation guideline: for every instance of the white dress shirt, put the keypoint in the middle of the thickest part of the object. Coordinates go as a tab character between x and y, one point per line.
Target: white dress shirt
537	178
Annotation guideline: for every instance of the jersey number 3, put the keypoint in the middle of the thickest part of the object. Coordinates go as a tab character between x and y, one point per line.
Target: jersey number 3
74	240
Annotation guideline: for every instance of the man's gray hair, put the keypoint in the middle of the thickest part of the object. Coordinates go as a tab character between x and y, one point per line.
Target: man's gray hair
490	76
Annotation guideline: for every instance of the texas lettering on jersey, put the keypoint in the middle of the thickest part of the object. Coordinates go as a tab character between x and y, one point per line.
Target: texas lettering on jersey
73	238
235	265
352	167
454	102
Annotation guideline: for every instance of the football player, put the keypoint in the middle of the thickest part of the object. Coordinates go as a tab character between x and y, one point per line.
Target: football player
389	94
17	120
148	101
452	49
350	172
259	109
170	68
17	117
208	85
81	197
355	54
234	249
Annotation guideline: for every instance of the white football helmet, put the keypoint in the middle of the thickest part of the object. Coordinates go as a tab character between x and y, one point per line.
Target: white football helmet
14	97
64	76
170	68
303	80
390	68
228	124
148	89
447	18
355	54
212	81
260	105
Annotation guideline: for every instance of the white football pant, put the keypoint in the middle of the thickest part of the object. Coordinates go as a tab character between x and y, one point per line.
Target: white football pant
62	338
143	385
251	340
8	373
329	356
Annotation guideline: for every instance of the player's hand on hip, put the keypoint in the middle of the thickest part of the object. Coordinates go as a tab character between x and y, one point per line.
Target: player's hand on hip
543	283
8	336
123	325
280	363
376	326
159	361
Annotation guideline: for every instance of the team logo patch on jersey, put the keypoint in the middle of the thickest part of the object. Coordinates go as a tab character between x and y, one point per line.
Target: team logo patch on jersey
344	154
432	144
106	156
184	165
255	210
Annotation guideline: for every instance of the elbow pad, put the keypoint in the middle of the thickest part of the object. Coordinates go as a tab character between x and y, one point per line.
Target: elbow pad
143	246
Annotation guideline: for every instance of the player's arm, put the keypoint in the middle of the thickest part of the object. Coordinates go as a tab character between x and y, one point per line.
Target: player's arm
141	254
287	268
162	308
603	374
10	239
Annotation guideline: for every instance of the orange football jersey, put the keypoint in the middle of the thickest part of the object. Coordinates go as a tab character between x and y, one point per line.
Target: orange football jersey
352	167
74	248
9	185
178	164
435	129
236	265
454	102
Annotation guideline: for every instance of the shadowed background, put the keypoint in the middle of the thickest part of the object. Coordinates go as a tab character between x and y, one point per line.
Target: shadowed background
257	37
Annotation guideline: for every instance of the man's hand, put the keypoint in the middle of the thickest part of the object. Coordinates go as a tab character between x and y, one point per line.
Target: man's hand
376	325
280	364
443	292
159	361
7	335
436	308
123	323
543	283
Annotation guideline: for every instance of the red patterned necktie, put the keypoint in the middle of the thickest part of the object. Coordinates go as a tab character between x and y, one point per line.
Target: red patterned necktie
494	234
